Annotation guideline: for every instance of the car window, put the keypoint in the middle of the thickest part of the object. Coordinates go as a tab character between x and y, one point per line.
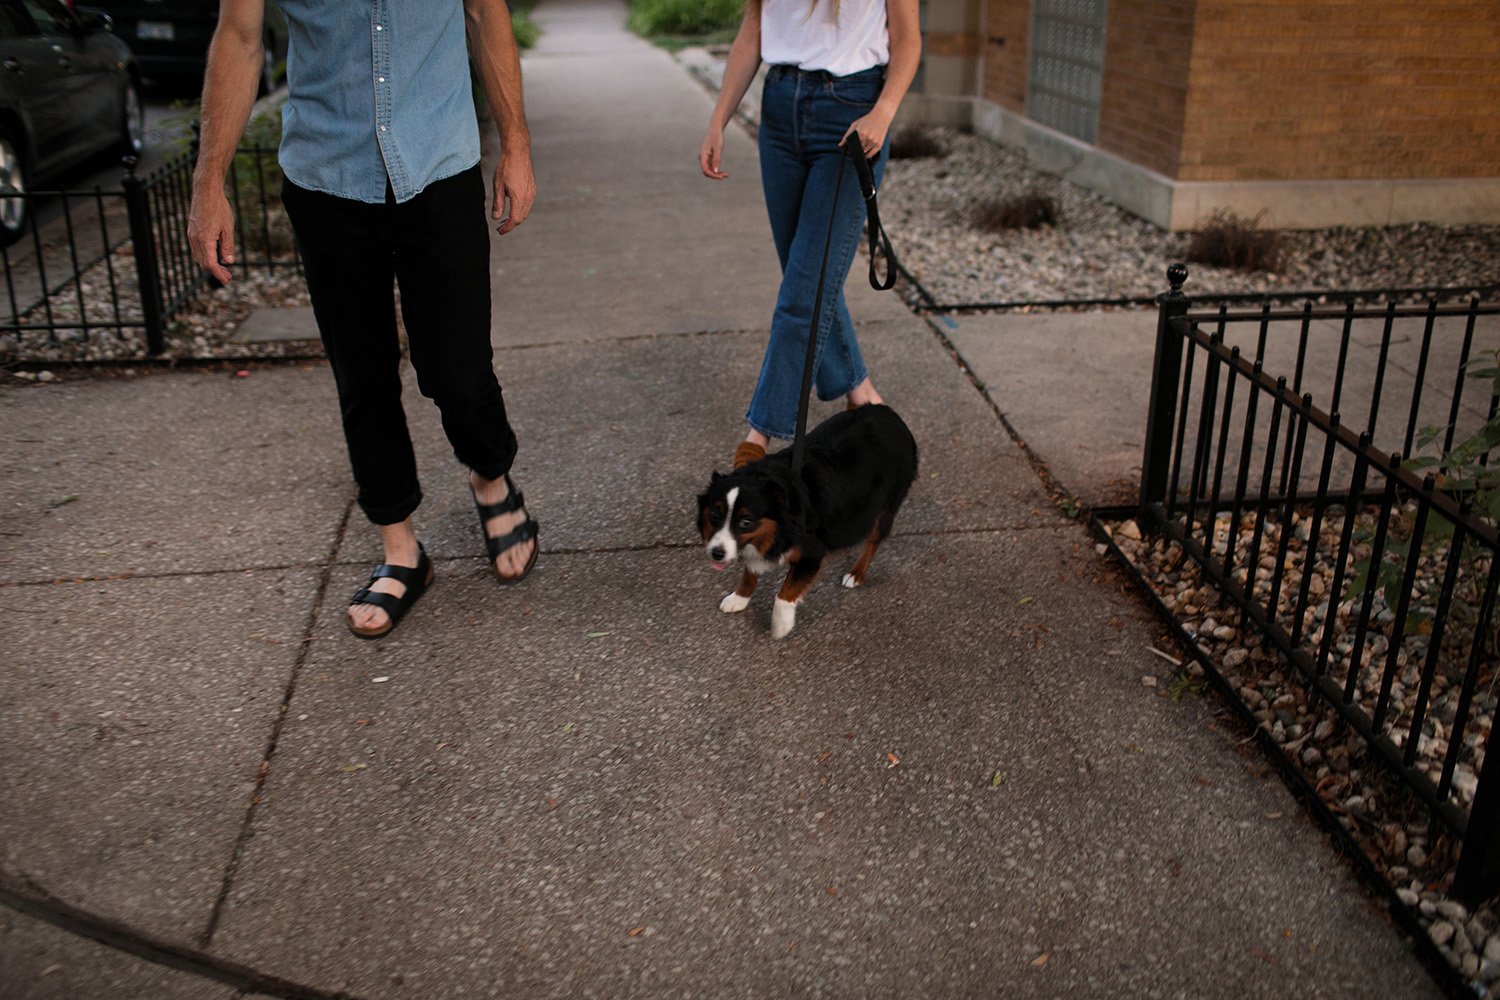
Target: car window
13	20
51	17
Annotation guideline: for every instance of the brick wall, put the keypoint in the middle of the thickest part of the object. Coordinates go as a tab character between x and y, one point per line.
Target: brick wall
1007	23
1148	46
1352	89
1246	90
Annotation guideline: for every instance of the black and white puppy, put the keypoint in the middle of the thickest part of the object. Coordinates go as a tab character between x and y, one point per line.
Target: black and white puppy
858	467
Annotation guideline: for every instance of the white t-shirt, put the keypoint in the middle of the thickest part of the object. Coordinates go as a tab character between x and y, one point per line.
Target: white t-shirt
805	34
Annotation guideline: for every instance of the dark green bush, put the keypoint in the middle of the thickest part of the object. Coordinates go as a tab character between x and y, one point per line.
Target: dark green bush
683	17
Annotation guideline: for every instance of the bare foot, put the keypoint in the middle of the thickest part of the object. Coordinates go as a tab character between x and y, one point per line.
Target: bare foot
400	543
863	394
511	563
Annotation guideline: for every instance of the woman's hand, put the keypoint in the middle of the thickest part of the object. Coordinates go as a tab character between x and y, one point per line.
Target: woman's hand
709	156
871	129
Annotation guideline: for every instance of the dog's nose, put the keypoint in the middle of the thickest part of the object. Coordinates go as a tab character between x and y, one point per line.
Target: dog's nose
716	553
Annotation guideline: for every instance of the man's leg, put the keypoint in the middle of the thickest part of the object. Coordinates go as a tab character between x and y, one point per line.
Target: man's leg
350	272
443	268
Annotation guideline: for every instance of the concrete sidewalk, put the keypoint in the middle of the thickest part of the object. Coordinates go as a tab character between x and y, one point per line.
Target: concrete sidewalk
952	783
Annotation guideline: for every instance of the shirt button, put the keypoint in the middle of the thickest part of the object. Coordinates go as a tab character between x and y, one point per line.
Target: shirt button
382	128
380	79
379	27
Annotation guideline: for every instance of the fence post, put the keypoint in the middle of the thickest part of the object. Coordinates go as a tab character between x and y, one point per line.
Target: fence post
1166	374
138	212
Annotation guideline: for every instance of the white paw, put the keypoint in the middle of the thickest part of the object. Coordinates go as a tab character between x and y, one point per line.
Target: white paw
783	617
733	602
849	581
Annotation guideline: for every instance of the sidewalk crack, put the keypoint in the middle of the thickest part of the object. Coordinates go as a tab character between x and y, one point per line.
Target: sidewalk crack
264	771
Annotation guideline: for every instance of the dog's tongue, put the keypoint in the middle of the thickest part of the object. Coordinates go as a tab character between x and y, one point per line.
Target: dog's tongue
719	565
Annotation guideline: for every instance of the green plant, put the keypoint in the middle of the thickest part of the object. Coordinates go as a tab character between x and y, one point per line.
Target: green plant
524	27
1464	471
683	17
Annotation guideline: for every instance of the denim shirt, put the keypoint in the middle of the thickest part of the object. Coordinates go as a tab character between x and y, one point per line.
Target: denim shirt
379	90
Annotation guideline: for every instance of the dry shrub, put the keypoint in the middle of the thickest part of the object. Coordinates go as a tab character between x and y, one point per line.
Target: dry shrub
1027	211
1226	239
916	143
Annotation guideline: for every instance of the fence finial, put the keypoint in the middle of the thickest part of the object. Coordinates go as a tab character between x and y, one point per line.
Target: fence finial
1177	276
131	161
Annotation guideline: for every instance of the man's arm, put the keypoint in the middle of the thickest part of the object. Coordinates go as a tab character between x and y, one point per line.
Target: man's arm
493	45
234	64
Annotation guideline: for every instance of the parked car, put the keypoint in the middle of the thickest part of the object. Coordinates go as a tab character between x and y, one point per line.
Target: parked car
68	91
170	39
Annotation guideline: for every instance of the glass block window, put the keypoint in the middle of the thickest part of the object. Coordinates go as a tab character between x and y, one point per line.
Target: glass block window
1067	65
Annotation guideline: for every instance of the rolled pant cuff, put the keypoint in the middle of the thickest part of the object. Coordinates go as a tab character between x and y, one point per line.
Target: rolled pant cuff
392	513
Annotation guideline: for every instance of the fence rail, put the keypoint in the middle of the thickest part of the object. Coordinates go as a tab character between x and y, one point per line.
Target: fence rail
1380	498
107	270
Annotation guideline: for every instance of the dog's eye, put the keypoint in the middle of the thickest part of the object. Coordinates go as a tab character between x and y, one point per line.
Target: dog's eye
745	523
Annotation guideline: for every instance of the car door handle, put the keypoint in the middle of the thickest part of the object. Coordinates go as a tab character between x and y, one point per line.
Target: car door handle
14	65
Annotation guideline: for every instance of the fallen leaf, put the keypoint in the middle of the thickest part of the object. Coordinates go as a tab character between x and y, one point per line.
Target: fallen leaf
242	373
351	768
551	803
824	756
361	722
378	680
1041	960
832	890
892	760
598	635
636	931
1026	600
54	967
997	780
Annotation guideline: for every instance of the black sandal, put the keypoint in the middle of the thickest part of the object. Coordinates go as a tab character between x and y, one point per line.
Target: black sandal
523	532
417	579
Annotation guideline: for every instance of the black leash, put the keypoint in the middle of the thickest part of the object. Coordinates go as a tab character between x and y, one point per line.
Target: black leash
878	242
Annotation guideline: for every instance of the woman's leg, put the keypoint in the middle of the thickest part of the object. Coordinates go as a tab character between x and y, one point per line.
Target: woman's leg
773	409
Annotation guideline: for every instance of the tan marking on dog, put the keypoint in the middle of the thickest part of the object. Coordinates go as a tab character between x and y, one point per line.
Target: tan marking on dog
762	538
797	583
748	580
862	565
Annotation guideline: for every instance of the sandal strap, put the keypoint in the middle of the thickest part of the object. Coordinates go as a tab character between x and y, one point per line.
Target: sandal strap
513	501
408	575
392	605
523	532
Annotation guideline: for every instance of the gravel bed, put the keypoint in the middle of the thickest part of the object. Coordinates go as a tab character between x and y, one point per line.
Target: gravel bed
1414	853
204	328
1098	250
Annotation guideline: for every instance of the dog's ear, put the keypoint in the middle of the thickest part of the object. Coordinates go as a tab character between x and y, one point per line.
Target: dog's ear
714	477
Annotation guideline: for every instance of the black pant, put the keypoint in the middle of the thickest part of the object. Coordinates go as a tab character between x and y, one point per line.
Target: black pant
436	247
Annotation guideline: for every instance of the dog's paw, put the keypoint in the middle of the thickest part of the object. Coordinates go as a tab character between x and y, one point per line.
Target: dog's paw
851	581
783	617
733	602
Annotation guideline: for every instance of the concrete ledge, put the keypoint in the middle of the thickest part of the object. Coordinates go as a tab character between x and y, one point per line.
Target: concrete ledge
1180	205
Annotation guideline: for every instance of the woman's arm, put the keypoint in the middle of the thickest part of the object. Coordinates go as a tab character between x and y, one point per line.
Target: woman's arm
739	71
906	52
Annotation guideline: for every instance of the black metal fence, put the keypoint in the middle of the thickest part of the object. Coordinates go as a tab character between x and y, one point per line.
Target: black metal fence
1329	470
104	272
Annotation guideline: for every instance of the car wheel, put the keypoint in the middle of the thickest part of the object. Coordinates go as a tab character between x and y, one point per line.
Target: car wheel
12	189
132	121
267	65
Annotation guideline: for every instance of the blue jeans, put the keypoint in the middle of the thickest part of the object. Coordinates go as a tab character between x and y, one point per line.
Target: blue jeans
803	116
